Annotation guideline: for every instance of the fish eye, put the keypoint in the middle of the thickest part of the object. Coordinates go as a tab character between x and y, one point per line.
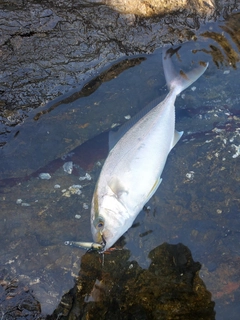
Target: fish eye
99	223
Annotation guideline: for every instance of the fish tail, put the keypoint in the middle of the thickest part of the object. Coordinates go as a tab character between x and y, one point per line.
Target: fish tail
179	81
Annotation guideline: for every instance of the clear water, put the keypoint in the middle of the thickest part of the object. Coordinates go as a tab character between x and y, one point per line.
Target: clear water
197	203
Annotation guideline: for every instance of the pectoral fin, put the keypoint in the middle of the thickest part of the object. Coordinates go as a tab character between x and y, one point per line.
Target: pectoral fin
117	187
154	188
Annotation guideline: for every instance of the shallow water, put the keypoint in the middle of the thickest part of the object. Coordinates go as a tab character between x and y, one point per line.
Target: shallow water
197	203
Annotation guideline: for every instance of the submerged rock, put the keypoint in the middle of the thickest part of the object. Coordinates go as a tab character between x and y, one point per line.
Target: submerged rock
169	289
16	299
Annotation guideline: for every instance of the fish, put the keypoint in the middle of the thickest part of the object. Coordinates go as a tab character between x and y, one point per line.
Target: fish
138	153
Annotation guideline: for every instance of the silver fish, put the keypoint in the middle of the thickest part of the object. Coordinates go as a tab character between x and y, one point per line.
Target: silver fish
132	171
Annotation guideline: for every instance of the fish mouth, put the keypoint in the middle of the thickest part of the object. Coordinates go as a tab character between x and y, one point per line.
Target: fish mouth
103	237
101	243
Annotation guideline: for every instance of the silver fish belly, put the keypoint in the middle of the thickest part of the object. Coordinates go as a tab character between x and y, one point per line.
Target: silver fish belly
132	171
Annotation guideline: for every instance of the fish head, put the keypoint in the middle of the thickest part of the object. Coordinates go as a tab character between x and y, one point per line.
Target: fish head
108	220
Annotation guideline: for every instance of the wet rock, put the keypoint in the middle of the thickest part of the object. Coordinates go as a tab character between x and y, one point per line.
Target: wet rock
169	289
16	300
47	48
65	64
35	139
64	307
72	119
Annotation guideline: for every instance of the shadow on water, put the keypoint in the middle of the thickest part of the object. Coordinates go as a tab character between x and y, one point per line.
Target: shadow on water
73	112
197	203
170	288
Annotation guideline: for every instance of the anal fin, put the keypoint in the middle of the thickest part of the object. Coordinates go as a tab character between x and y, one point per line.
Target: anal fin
154	189
177	137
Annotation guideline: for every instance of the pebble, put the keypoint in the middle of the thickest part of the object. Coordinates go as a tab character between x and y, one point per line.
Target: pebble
74	189
76	186
85	206
68	167
190	175
25	204
86	177
237	151
67	194
44	176
77	216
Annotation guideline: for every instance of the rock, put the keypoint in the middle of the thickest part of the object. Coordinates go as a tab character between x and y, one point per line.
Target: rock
17	301
169	289
48	48
160	7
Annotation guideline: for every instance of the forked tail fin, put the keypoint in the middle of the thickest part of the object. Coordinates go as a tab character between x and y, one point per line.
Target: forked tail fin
179	81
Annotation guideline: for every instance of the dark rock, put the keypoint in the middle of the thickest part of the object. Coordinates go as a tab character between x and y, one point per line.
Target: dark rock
47	48
16	300
169	289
